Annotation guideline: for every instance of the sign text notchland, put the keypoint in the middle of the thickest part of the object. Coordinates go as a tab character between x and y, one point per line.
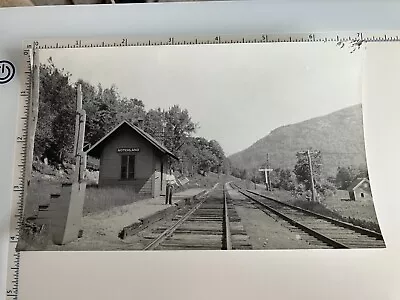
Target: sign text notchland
127	150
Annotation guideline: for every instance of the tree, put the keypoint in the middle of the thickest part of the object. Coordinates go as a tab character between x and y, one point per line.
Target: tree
218	155
302	169
105	109
101	107
178	127
274	177
205	155
130	110
286	180
325	187
177	131
56	113
344	177
227	166
282	179
154	124
244	174
236	172
362	172
173	128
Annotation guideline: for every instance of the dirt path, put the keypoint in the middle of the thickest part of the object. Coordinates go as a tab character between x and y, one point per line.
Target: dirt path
266	231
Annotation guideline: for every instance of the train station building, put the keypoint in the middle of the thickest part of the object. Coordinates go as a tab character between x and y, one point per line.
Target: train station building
131	157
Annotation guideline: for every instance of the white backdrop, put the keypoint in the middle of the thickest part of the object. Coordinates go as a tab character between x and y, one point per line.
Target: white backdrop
311	274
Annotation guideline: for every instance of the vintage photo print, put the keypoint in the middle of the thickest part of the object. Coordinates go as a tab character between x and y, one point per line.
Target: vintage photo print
252	146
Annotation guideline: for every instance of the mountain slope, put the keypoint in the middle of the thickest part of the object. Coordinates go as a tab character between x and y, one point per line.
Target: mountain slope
338	135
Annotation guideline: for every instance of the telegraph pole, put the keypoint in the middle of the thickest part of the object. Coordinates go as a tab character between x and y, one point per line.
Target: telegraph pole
267	174
311	175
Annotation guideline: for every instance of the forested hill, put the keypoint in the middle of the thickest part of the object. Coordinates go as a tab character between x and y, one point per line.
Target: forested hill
338	135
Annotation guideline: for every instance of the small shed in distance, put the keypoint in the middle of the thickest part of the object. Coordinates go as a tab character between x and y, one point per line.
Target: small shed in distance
360	189
131	157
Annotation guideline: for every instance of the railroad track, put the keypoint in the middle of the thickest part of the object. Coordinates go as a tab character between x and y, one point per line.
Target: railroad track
211	224
322	231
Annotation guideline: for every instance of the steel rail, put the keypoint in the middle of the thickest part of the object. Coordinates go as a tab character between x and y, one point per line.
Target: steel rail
358	229
227	230
297	224
157	241
170	230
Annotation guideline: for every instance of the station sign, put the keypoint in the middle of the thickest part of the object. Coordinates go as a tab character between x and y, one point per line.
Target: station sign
127	150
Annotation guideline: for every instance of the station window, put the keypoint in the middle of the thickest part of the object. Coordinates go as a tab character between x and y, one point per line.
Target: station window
127	167
362	195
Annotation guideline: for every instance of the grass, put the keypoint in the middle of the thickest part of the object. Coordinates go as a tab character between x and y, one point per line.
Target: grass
96	199
33	240
101	199
356	212
200	181
363	210
247	184
359	213
323	210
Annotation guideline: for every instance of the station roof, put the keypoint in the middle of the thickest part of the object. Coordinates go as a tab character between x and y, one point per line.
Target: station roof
95	150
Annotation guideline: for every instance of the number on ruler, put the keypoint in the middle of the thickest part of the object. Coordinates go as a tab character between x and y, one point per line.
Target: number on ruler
311	36
171	40
17	188
217	39
264	37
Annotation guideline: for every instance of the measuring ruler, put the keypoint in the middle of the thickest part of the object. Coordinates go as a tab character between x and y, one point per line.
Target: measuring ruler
215	39
353	40
19	176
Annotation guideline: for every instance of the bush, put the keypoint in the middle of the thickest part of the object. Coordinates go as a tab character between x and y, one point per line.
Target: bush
287	180
299	190
43	168
325	188
283	179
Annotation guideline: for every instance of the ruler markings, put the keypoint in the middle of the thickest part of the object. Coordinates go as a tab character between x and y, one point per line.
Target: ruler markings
19	173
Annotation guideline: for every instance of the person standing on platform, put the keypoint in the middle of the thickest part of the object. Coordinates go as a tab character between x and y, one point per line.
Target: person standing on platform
170	180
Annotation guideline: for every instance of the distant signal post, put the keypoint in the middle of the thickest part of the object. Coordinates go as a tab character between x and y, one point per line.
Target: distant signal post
267	178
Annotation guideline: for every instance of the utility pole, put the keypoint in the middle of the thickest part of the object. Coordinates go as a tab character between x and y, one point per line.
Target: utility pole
80	122
267	174
68	207
311	175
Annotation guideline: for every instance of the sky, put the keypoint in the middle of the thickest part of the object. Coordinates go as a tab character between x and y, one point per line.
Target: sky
237	93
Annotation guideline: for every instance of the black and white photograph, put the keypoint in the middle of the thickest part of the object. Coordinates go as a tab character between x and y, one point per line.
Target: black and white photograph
241	146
